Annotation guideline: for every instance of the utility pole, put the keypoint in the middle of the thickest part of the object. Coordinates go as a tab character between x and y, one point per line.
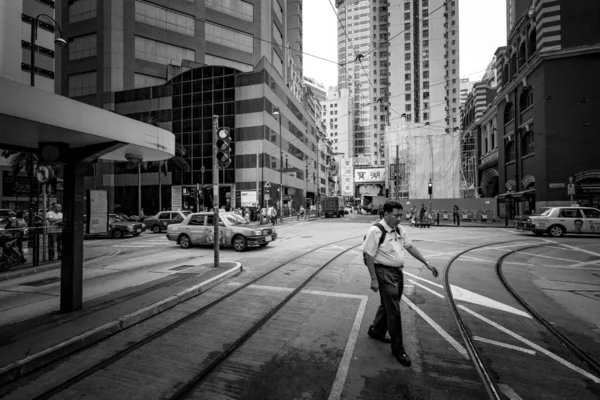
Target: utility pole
257	187
216	190
318	180
397	169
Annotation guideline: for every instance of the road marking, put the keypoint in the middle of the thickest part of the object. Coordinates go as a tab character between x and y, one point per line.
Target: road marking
342	372
508	392
568	246
584	264
438	328
543	256
461	294
506	345
533	345
426	288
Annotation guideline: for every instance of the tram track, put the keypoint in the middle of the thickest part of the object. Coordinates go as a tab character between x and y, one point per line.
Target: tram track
483	370
186	388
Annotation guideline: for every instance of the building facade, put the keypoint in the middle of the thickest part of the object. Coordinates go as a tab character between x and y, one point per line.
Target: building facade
337	117
540	132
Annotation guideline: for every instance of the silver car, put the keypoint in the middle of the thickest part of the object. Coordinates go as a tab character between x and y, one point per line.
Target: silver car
198	229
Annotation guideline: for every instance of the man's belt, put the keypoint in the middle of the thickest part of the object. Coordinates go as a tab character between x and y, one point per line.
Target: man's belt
386	266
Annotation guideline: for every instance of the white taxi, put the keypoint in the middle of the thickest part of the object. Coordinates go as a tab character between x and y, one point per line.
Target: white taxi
556	221
198	229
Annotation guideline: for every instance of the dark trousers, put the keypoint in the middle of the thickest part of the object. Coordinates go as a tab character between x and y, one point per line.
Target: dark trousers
391	285
456	219
54	238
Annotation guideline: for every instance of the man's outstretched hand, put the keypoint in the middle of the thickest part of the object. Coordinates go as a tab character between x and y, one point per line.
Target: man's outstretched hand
433	270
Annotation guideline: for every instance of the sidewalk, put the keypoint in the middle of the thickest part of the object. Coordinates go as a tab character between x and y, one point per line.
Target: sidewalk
33	343
90	254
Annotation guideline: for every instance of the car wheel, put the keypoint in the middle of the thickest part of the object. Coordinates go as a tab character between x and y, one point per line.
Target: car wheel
538	233
156	229
556	231
239	243
117	234
185	242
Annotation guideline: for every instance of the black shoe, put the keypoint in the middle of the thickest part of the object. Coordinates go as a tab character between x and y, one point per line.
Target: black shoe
402	358
375	336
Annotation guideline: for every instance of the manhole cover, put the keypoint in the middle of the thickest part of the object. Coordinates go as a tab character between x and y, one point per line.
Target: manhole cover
42	282
182	267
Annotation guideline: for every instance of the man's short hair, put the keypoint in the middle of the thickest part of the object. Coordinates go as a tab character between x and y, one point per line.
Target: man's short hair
390	206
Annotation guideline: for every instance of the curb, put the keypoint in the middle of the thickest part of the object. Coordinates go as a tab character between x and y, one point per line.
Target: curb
30	363
51	266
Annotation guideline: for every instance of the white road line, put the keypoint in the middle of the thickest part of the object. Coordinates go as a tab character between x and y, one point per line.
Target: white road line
426	288
506	345
135	246
533	345
508	392
423	279
543	256
342	372
438	328
584	264
568	246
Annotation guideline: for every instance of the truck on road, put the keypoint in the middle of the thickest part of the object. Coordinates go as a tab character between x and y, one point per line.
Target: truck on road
371	203
333	206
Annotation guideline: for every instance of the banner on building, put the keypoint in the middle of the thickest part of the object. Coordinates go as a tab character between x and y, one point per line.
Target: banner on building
347	177
362	160
369	175
176	198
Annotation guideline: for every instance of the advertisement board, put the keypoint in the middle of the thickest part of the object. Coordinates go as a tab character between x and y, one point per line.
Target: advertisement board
346	173
369	175
176	198
248	198
97	220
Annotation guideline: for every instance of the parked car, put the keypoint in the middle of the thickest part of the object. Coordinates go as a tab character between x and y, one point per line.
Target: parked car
160	221
198	229
556	221
119	227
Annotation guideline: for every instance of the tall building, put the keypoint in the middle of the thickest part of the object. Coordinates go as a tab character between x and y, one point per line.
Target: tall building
354	40
425	95
134	42
465	87
317	88
16	19
515	9
154	60
338	121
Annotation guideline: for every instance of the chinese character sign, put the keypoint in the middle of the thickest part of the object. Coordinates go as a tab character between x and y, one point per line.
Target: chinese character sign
347	182
369	175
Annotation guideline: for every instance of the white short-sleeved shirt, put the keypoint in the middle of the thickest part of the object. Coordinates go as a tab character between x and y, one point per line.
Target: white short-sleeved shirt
391	251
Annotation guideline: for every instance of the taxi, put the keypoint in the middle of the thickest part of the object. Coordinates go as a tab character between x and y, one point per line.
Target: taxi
234	230
556	221
160	221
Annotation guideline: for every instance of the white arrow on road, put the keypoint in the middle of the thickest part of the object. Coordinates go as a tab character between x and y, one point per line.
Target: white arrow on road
467	296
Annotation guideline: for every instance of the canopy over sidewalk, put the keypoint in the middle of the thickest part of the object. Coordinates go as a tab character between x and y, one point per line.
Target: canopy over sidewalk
78	133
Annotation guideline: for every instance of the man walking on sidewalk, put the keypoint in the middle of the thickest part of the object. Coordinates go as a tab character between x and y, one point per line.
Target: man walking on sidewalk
383	248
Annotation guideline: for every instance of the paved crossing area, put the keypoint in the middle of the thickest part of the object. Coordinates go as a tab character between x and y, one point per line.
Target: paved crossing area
158	240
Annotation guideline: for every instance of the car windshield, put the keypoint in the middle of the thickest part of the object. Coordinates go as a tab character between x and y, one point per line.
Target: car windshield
185	213
544	211
233	219
124	217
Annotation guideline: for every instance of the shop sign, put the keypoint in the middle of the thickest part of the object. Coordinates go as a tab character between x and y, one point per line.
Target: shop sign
18	186
559	185
176	198
347	182
369	175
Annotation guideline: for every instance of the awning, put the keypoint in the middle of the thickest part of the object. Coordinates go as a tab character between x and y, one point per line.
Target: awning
29	116
516	195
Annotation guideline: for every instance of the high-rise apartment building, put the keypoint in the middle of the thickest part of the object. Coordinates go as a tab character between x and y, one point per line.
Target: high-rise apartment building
354	43
465	87
294	34
338	121
16	18
425	95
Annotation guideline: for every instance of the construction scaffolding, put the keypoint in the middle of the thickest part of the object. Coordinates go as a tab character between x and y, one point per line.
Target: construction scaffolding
468	165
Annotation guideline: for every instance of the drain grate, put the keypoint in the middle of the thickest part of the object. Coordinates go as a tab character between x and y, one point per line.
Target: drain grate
42	282
182	267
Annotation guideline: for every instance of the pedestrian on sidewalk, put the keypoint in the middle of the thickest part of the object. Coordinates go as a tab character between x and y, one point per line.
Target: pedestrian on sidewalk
17	227
383	248
455	215
54	218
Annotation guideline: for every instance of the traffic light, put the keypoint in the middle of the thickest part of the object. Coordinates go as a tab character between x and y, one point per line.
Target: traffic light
430	187
223	144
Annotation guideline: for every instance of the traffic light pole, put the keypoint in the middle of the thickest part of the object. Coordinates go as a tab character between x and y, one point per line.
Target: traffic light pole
216	189
430	196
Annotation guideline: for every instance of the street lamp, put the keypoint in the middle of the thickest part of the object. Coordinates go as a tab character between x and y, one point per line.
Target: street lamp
59	41
277	113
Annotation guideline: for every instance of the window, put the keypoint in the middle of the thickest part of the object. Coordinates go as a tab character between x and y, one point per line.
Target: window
407	77
570	213
277	34
509	149
425	116
407	5
425	23
82	84
425	33
407	56
236	8
407	46
425	64
407	97
407	87
196	220
278	10
424	3
406	25
142	81
82	47
81	10
407	107
426	54
407	16
164	18
407	36
407	66
425	74
229	37
527	143
591	213
525	99
425	12
159	52
425	106
425	95
214	60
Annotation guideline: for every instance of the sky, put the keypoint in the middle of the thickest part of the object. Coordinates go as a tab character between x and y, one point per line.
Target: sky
482	29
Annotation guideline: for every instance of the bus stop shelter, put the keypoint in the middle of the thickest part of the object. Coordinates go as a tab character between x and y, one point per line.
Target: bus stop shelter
64	131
